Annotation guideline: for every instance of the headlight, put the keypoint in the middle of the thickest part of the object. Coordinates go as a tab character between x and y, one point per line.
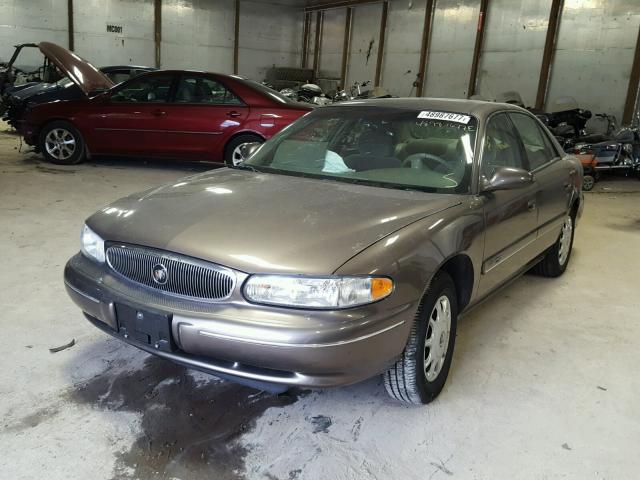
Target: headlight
316	292
91	244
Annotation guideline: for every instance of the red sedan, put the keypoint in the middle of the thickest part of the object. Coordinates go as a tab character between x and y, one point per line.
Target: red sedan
174	114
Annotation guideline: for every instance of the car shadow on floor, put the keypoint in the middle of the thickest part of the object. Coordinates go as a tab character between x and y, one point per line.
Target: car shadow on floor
190	421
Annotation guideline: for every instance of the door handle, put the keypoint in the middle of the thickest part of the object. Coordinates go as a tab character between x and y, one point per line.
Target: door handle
159	113
233	114
531	205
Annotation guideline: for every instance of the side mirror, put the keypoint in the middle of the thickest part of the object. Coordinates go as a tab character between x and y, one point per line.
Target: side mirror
507	178
248	149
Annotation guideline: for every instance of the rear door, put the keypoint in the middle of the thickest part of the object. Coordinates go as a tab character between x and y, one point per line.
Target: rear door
203	115
133	119
511	216
553	177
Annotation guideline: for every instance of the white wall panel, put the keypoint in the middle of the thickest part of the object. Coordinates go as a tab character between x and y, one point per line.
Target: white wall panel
134	46
363	51
515	34
453	37
402	46
31	21
594	54
198	34
332	43
270	34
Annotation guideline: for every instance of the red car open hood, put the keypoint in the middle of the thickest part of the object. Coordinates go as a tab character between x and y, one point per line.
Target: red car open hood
79	71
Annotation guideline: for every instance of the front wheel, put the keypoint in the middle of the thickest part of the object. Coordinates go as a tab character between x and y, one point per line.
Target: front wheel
421	372
61	143
233	152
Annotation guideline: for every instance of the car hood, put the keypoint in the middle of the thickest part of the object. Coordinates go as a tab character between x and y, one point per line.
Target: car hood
78	70
258	222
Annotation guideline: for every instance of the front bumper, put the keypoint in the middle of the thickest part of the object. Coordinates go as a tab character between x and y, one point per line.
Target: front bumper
257	345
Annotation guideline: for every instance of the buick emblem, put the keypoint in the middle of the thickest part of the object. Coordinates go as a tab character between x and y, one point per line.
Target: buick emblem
160	274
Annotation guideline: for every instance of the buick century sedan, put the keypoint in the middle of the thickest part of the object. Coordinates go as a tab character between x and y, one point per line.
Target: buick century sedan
344	247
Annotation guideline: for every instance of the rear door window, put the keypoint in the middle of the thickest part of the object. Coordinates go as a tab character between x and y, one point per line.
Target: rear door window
204	90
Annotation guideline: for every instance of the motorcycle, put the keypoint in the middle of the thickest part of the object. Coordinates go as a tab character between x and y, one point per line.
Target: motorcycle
356	92
618	154
308	93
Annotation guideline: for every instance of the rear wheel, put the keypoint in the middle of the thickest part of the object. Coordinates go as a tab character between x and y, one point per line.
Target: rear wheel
557	257
420	374
233	151
61	143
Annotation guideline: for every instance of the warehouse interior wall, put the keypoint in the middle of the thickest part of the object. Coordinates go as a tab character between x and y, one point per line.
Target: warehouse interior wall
593	56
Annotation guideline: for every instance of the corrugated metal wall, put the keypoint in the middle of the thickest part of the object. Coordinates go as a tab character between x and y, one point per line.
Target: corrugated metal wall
196	34
595	45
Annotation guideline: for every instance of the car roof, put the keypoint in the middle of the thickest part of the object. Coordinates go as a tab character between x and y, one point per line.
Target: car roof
478	108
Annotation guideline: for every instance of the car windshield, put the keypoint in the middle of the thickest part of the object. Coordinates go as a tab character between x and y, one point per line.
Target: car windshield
381	146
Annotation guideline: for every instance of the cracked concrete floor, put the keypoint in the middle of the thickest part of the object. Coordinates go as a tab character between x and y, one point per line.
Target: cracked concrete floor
544	380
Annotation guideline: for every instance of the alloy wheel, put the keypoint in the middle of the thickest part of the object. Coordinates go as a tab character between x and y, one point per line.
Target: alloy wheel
436	341
236	157
60	143
565	240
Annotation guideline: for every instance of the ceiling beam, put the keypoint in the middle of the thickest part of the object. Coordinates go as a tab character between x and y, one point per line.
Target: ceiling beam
337	4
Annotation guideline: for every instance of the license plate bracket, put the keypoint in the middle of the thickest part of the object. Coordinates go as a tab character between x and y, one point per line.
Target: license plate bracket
146	327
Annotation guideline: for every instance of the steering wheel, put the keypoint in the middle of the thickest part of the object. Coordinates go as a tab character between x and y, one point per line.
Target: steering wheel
427	157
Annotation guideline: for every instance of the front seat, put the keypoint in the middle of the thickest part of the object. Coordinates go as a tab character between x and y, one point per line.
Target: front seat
375	149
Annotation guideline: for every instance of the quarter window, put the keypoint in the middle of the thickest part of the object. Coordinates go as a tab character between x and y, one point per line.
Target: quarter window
204	90
501	146
152	89
537	147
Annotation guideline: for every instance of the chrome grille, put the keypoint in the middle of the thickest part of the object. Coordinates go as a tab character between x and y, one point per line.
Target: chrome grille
185	276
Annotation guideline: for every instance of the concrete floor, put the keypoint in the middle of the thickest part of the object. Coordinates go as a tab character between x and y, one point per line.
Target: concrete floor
544	381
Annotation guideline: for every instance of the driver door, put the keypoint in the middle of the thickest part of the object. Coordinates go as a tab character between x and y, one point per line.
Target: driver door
133	119
511	216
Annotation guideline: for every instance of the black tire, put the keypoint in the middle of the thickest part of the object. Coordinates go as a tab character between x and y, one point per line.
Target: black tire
407	380
588	182
552	265
55	138
234	143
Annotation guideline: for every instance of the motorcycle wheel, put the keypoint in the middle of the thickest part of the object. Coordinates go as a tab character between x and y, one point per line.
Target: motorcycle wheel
588	182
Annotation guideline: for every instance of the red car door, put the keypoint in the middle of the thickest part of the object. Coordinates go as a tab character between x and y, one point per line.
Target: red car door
132	120
203	115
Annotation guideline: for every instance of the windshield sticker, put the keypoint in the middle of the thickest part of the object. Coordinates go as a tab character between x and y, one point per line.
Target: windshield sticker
447	116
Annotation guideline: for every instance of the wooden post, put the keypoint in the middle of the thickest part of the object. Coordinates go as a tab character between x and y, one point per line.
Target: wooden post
482	20
236	37
424	49
316	47
305	39
345	46
157	30
70	24
383	31
634	83
549	53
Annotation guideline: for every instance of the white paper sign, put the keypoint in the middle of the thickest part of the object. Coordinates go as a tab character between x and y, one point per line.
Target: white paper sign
447	116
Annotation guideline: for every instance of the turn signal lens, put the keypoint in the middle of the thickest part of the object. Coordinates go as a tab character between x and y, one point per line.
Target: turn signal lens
380	287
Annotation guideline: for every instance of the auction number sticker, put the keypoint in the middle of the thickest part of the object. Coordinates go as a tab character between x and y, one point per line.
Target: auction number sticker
447	116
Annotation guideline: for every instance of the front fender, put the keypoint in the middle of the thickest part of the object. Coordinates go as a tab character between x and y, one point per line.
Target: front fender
413	254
